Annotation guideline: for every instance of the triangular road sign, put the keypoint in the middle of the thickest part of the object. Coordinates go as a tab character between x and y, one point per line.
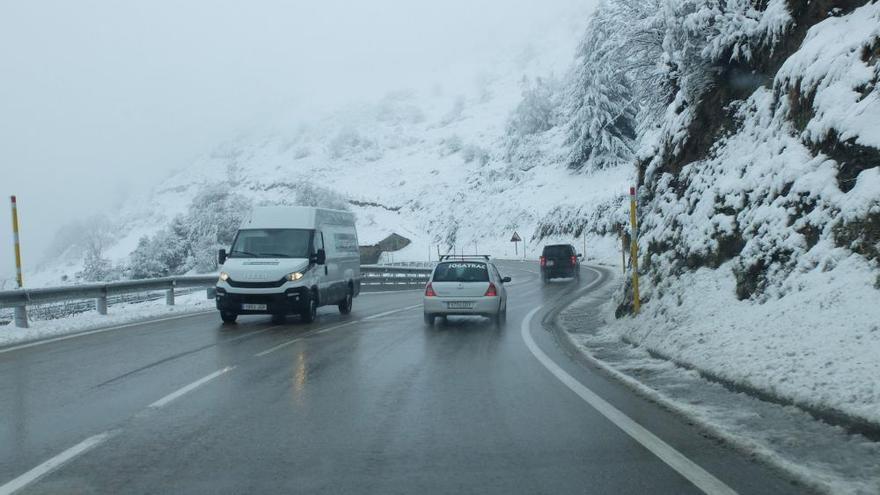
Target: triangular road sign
515	238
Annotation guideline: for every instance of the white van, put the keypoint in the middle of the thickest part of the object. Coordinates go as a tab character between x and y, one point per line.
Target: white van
290	260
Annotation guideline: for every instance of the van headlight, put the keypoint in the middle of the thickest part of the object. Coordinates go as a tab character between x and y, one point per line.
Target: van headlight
293	277
224	276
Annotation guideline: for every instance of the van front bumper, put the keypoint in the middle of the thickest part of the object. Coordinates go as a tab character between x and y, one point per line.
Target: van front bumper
293	300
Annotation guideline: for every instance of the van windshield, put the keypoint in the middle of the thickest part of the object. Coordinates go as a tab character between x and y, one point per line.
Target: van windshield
272	243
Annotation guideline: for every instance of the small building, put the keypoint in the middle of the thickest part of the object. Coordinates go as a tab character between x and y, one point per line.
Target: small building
394	242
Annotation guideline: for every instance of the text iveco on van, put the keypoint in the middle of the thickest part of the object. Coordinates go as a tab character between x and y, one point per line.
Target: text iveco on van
290	260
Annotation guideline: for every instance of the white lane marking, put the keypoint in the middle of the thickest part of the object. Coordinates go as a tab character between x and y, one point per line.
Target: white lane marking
334	327
100	330
373	317
53	463
303	336
666	453
188	388
383	292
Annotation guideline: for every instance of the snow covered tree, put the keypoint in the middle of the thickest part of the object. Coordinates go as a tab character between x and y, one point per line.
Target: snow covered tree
94	235
602	130
537	110
145	262
96	268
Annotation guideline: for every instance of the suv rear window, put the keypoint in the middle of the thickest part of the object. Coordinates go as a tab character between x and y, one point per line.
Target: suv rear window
461	271
559	251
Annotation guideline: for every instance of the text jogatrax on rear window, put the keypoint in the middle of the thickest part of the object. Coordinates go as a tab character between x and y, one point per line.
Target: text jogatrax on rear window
461	272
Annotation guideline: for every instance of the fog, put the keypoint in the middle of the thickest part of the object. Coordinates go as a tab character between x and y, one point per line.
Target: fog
99	100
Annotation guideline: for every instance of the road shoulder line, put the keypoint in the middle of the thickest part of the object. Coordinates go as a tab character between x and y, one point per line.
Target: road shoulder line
701	478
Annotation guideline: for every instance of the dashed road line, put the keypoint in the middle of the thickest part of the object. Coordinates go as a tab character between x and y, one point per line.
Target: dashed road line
188	388
53	463
334	327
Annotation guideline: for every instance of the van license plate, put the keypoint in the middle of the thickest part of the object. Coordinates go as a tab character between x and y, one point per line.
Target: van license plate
253	307
459	305
550	262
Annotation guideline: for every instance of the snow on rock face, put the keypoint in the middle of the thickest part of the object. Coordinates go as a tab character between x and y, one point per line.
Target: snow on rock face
764	198
838	68
762	256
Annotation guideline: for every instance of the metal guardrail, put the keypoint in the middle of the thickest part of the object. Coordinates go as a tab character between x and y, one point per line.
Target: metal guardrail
372	276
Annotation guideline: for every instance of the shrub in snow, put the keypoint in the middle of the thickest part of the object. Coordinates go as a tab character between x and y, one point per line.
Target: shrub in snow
348	141
308	194
451	145
473	152
301	152
537	111
399	108
455	112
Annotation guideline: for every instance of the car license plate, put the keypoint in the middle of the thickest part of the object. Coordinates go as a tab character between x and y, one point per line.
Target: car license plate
253	307
459	305
550	262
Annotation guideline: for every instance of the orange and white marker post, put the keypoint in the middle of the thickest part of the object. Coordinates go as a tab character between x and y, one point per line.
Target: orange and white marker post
634	249
20	311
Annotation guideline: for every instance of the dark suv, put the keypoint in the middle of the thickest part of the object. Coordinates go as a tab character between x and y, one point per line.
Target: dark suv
560	260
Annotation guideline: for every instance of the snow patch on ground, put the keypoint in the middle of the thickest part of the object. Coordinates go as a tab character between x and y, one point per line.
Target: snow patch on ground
117	314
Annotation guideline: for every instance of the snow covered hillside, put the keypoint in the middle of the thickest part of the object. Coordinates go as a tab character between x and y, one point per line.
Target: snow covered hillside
760	200
449	169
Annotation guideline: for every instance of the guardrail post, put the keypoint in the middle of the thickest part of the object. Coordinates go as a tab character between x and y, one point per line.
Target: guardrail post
101	303
21	319
169	295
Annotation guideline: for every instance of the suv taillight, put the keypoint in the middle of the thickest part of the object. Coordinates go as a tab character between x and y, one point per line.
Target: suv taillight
574	260
543	261
429	291
491	291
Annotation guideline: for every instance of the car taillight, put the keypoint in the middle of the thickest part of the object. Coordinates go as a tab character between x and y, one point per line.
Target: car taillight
574	260
491	291
543	261
429	291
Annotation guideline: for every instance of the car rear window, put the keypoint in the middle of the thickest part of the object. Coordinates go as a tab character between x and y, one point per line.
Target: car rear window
461	271
558	251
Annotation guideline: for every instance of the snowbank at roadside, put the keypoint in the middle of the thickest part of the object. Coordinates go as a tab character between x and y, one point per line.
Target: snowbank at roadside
817	345
824	457
119	314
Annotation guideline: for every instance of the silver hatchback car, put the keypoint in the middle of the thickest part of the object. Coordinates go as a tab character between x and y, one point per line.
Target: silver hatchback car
468	286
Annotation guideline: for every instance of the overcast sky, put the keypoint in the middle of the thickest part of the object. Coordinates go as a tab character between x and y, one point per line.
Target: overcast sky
102	99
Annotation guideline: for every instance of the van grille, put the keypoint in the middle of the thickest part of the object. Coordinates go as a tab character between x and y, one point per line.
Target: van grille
256	285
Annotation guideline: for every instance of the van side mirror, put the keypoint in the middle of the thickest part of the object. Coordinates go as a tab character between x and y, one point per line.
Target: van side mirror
505	280
321	257
221	256
580	255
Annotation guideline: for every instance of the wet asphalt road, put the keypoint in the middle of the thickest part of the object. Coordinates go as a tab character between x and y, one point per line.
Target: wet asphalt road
370	403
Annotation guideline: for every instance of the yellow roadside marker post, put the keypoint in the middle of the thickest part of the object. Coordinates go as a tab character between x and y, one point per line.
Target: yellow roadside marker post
21	320
634	249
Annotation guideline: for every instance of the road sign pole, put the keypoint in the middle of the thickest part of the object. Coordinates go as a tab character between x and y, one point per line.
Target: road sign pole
634	249
20	316
515	238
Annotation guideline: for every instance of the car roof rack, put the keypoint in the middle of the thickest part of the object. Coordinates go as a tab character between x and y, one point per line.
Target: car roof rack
444	257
